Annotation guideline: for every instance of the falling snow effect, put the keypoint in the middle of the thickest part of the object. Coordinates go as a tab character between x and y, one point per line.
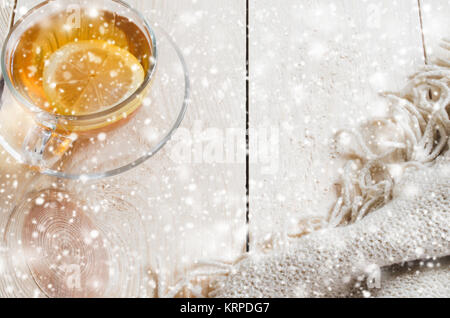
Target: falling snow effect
132	232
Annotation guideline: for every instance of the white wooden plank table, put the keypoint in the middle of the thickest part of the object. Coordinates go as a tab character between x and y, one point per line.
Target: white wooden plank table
315	67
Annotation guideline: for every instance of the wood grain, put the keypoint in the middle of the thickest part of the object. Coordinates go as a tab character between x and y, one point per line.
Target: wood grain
193	211
202	204
316	67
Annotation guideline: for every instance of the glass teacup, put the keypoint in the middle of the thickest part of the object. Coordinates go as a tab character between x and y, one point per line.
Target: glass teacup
70	72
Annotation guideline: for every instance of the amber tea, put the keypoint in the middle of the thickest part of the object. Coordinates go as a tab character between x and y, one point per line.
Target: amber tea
82	62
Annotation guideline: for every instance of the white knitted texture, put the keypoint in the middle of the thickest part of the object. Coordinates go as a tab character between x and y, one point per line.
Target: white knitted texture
416	281
330	262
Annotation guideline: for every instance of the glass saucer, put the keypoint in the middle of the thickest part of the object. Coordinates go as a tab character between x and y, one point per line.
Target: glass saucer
141	136
58	245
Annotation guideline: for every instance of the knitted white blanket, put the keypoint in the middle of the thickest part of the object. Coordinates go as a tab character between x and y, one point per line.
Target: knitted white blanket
335	261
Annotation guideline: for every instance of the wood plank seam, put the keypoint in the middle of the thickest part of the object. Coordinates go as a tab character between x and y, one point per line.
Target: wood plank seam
425	55
247	124
13	16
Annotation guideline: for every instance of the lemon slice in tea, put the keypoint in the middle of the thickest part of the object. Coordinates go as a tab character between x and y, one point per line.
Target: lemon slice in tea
86	77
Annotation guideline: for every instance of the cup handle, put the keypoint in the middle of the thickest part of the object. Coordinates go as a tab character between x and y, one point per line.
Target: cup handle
43	146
